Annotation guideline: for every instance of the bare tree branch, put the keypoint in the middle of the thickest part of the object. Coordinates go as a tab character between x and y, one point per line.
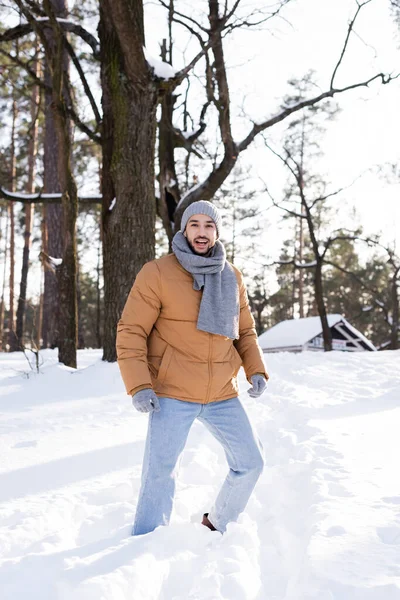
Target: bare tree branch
85	84
322	198
71	111
231	12
293	213
26	68
191	30
258	128
26	28
362	283
297	265
282	159
246	22
332	240
40	197
183	16
350	29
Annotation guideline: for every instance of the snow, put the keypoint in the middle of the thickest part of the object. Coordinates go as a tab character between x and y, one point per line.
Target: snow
23	196
188	134
59	19
297	332
56	261
189	191
323	522
113	203
162	69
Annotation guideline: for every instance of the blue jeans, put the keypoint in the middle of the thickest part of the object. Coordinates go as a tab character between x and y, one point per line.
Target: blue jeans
167	433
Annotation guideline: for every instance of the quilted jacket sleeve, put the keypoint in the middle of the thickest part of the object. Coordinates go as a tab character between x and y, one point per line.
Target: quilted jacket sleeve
138	317
247	344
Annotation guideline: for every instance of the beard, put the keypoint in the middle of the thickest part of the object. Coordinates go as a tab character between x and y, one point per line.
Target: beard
208	253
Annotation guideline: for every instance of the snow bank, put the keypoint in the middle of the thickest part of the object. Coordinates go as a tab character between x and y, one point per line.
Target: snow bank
323	523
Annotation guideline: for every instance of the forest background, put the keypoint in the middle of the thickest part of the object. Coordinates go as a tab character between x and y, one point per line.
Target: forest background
117	115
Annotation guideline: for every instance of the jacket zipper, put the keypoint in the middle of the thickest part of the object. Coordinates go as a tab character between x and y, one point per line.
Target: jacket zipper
209	369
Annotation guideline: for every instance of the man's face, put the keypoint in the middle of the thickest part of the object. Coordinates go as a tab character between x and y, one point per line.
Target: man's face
201	234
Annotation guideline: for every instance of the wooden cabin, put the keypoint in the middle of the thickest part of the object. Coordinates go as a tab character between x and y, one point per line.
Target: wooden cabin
297	335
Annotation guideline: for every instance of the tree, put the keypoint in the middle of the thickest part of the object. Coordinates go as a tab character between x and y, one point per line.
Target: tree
259	301
52	213
67	270
241	217
130	97
32	152
301	147
90	332
132	88
380	282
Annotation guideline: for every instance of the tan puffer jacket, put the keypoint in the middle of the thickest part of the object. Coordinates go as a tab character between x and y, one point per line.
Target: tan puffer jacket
159	345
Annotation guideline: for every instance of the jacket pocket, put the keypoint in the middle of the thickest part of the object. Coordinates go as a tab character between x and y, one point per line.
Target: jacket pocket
165	362
237	361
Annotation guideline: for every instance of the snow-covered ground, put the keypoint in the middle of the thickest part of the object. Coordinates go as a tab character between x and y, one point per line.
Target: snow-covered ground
322	524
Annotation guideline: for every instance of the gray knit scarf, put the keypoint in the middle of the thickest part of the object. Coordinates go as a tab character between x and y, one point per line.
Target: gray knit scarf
219	306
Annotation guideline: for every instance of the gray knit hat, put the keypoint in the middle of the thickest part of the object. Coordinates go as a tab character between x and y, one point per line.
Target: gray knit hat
201	207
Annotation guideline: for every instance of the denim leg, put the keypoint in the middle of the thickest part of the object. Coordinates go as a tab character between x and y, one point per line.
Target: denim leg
229	424
166	437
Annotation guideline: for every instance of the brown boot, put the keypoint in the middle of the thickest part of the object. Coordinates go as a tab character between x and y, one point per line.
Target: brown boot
207	523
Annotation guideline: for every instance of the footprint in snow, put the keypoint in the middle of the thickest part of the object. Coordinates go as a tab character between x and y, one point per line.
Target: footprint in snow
30	444
392	499
389	535
338	490
335	530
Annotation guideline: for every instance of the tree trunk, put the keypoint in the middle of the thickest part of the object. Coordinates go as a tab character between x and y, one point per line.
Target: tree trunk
54	212
98	296
233	256
394	333
12	340
81	339
68	310
318	286
12	345
319	299
207	189
2	303
168	180
294	281
57	63
67	271
42	329
39	315
301	273
29	208
129	128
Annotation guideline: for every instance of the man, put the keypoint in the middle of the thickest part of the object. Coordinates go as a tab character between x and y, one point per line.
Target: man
185	331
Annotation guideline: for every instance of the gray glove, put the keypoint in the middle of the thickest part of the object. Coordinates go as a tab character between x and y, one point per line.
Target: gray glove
259	384
146	401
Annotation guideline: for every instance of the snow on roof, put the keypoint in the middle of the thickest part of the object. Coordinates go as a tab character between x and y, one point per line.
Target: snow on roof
297	332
